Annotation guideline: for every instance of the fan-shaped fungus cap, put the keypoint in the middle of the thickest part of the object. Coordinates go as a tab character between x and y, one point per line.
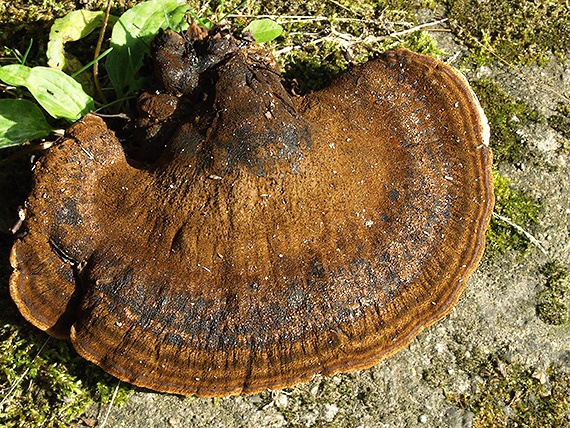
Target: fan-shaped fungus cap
275	237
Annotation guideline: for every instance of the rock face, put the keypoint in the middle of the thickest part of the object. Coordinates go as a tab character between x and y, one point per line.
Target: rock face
265	238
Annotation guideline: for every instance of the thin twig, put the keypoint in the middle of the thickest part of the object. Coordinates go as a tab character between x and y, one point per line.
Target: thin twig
8	395
98	51
104	422
302	18
348	40
26	150
519	229
418	28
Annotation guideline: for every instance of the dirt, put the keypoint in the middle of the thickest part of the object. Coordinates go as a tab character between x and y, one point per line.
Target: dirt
495	318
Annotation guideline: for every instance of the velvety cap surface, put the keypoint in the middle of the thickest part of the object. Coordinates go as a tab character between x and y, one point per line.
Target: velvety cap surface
274	237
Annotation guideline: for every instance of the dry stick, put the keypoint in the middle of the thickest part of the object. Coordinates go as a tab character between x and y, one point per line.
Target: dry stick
26	150
531	238
104	422
306	18
301	18
348	40
340	5
15	385
417	28
98	50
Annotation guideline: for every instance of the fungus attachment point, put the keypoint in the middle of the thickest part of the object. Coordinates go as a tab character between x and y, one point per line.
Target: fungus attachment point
269	237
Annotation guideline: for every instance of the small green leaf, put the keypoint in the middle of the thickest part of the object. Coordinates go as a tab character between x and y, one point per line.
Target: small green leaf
264	30
131	39
21	121
59	94
15	74
73	26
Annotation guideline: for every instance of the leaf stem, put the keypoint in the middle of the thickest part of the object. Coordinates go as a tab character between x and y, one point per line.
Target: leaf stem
86	66
98	50
27	52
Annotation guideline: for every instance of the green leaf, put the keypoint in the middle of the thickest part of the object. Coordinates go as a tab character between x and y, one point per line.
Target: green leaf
131	39
21	121
73	26
15	74
59	94
264	30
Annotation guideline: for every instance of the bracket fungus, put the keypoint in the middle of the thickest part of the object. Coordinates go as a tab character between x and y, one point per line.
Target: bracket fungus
274	236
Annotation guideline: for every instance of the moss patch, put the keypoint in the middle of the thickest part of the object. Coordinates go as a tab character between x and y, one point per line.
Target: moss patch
518	207
516	31
508	395
505	117
328	402
313	66
22	20
553	303
503	393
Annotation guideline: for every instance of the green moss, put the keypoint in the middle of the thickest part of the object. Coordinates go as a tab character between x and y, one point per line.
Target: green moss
25	20
561	120
503	393
32	403
310	69
518	207
509	395
423	43
553	303
19	11
516	31
551	309
505	117
56	386
555	272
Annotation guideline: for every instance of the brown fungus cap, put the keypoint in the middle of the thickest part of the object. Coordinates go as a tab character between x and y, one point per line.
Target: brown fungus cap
274	237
